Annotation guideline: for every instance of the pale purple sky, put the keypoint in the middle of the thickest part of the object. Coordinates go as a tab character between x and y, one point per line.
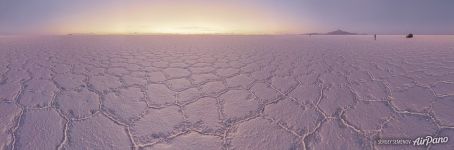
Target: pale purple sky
232	16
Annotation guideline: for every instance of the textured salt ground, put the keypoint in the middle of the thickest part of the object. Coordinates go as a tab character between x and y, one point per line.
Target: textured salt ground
224	92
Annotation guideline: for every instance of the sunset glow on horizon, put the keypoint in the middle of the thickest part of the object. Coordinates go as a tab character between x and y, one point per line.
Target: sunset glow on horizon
178	18
162	20
164	17
224	17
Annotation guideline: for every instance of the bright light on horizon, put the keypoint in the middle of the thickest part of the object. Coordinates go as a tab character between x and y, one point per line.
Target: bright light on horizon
176	18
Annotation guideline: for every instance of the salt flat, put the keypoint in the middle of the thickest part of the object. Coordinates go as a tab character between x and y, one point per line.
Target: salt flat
224	92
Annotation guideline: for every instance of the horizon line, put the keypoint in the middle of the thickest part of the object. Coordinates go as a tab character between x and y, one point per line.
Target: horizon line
207	34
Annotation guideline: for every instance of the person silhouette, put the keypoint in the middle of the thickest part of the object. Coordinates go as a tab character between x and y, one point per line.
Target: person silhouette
375	36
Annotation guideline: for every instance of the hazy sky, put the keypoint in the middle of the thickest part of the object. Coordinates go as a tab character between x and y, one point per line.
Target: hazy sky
227	16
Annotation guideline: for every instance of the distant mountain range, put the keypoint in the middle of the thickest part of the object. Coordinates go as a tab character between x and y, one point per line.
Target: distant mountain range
337	32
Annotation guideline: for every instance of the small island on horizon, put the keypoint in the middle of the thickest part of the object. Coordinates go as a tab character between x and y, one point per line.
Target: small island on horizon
336	32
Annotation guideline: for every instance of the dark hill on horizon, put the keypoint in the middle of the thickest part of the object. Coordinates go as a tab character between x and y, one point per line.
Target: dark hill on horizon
337	32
